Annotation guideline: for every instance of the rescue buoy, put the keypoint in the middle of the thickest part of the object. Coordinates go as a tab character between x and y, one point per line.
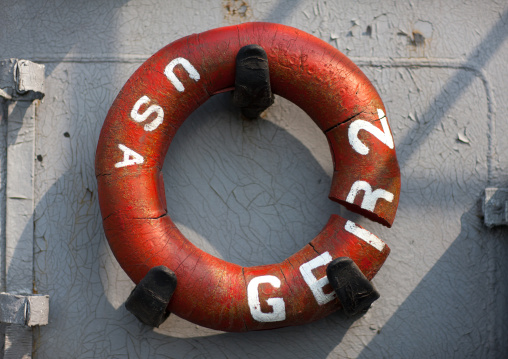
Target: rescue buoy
143	120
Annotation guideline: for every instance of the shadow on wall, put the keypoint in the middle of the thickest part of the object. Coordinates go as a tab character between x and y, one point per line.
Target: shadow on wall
282	10
240	11
457	85
446	313
456	306
248	191
75	267
70	246
83	317
56	26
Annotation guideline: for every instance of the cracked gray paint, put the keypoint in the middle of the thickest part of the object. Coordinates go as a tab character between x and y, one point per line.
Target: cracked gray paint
19	197
255	192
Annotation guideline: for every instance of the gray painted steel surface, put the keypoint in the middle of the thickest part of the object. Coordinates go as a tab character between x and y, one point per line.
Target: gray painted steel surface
255	192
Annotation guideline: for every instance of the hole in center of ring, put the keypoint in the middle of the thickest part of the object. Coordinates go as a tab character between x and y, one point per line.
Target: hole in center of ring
251	192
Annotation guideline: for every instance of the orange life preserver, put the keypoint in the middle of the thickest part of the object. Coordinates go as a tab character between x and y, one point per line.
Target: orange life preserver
143	120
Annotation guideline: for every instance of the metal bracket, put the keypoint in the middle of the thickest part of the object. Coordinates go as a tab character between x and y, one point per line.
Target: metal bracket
148	301
29	310
355	292
253	93
495	207
21	80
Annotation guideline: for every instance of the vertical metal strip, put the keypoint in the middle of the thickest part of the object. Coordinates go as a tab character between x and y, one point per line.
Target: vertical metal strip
19	197
3	179
19	231
3	176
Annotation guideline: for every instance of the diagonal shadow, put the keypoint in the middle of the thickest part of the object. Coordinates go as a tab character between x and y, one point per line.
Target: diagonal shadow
15	16
83	316
252	190
260	344
458	303
281	10
456	86
455	307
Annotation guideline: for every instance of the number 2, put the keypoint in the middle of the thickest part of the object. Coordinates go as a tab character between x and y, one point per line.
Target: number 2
383	135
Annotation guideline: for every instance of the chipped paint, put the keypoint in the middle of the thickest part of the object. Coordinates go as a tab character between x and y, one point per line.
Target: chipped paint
252	193
236	11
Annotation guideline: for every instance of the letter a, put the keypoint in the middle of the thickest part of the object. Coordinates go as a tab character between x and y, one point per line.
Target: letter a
129	157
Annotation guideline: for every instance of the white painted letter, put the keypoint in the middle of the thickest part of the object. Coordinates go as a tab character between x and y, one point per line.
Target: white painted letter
369	198
383	135
316	285
141	117
191	70
279	308
365	235
129	157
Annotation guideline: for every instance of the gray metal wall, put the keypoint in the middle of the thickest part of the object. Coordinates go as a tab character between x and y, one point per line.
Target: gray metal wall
255	192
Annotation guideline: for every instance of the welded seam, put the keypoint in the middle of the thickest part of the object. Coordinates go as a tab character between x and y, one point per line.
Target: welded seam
359	61
491	125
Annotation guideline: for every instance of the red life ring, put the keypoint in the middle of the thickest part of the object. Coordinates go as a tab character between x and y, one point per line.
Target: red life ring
143	120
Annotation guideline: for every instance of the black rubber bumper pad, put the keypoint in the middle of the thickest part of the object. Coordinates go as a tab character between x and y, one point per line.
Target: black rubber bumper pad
354	291
148	301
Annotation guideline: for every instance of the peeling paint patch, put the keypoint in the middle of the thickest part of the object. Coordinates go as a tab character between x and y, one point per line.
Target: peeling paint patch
368	31
418	39
356	30
423	28
236	11
421	31
461	137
